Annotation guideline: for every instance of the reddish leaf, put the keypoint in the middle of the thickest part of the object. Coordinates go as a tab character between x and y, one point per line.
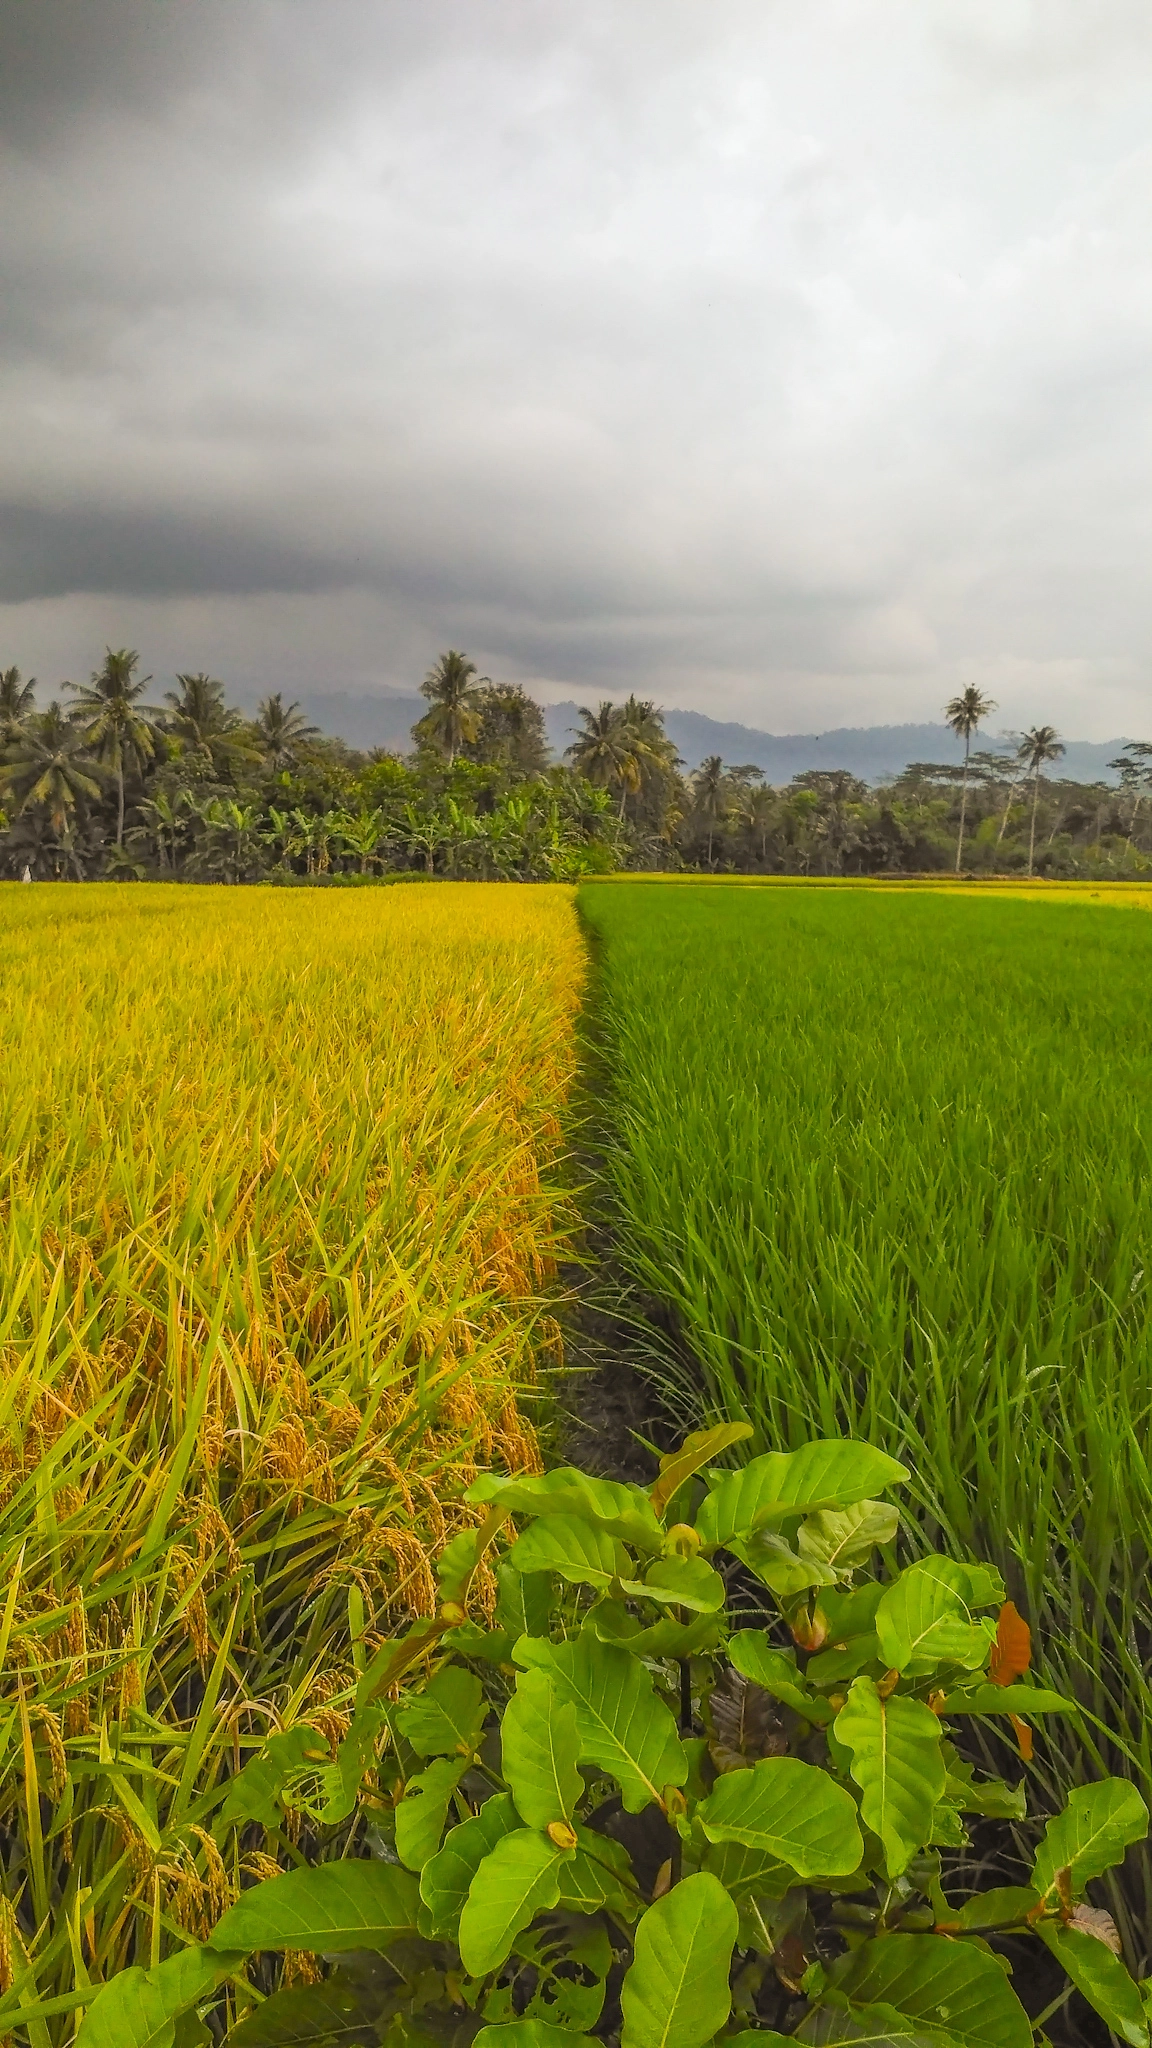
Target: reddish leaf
1012	1650
1023	1737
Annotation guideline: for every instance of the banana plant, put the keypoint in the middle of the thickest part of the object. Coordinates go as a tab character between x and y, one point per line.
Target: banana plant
695	1780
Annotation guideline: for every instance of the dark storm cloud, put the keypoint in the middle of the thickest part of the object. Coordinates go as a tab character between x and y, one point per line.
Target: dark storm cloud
792	363
51	553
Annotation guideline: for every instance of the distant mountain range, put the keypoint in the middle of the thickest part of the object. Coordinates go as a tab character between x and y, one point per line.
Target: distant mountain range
383	718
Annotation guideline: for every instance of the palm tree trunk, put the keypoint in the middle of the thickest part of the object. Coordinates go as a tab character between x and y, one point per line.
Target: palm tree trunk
963	800
120	803
623	794
1132	824
1007	808
1032	833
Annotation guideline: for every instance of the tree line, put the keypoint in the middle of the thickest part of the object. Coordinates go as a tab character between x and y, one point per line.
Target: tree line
101	783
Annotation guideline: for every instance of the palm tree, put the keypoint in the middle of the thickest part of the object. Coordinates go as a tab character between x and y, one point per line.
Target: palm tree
613	745
710	794
280	729
1040	744
597	751
17	700
453	689
1135	770
202	723
114	722
963	714
758	812
46	765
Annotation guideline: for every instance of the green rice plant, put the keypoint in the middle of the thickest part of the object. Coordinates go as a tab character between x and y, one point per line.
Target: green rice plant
279	1218
882	1164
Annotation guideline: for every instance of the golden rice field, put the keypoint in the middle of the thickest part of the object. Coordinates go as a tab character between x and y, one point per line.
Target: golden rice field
280	1210
1116	895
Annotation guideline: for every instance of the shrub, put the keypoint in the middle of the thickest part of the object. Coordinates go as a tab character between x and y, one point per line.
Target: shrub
663	1827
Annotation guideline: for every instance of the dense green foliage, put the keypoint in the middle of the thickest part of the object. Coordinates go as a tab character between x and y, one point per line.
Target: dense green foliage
108	784
612	1814
884	1165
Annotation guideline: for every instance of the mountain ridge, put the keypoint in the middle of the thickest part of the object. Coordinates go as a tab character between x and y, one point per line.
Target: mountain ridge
382	718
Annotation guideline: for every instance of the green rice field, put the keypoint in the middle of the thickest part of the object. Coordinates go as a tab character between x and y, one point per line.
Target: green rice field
882	1164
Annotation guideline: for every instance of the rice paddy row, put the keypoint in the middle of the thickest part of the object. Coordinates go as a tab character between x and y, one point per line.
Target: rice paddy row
883	1162
279	1210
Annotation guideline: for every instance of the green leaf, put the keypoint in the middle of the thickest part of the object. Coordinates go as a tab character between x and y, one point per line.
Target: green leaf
189	2031
342	1779
488	1645
778	1566
422	1812
1102	1979
517	1880
331	2015
755	2037
611	1621
829	1474
523	1601
139	2008
989	1796
581	1552
756	1658
898	1764
945	1983
948	1830
872	2026
569	1959
623	1727
834	1667
530	2034
254	1793
620	1510
924	1619
791	1811
747	1873
446	1878
676	1993
456	1564
1008	1699
844	1537
1001	1907
683	1582
695	1452
851	1611
447	1718
600	1874
394	1658
1093	1832
351	1904
539	1746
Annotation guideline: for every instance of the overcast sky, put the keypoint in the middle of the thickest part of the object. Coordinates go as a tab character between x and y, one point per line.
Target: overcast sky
785	359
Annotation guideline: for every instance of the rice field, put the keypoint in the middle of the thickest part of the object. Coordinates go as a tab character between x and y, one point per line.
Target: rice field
280	1214
880	1162
283	1196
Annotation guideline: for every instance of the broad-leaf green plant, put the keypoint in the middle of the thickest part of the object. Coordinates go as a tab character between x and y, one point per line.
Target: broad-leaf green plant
616	1813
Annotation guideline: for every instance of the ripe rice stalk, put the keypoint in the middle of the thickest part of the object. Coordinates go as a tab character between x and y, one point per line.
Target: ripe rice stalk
882	1164
281	1208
